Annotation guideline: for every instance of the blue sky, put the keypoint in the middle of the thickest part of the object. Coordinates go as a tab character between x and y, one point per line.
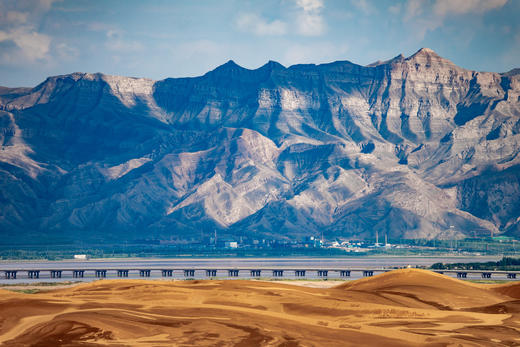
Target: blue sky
159	39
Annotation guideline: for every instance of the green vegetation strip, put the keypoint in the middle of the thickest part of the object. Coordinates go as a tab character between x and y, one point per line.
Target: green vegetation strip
505	264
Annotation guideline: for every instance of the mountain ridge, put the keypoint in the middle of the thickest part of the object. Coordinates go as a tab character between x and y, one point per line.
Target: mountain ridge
402	147
421	52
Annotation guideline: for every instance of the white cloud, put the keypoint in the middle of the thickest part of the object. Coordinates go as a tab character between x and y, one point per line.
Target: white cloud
20	40
257	25
29	45
307	21
428	15
414	8
310	5
456	7
310	21
364	5
444	8
15	12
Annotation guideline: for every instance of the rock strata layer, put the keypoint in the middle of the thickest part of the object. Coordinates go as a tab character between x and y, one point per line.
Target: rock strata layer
412	147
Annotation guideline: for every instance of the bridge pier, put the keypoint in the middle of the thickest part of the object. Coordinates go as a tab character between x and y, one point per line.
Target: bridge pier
101	273
486	275
323	273
144	273
511	276
344	273
167	273
211	273
256	273
189	273
122	273
462	274
33	273
55	273
10	274
78	273
277	273
299	273
368	273
233	273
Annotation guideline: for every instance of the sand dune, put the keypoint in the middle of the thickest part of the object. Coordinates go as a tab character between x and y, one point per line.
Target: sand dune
419	287
399	308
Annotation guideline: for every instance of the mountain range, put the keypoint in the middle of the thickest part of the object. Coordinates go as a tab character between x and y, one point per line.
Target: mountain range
412	147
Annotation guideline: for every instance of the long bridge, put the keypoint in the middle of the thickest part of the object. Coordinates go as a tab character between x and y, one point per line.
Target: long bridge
229	272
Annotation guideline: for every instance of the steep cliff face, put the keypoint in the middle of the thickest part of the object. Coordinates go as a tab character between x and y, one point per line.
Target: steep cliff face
412	147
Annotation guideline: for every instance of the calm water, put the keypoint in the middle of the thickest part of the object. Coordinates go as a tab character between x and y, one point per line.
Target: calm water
223	263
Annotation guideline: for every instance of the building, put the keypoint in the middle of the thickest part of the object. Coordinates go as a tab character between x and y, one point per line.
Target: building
81	256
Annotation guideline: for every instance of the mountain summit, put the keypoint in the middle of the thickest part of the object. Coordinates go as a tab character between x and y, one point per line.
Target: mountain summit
411	147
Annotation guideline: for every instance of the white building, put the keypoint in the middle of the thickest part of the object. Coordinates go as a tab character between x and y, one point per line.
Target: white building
81	257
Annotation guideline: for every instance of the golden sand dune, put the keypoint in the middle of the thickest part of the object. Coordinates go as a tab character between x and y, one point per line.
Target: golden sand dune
420	288
400	308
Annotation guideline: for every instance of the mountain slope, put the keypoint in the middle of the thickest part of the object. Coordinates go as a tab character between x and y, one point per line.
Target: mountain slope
411	147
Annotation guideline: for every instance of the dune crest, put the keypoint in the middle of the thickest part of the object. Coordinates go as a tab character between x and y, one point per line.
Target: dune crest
427	287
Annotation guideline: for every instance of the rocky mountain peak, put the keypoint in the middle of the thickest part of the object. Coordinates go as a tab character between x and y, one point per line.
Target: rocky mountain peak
229	67
402	146
426	51
428	57
395	59
273	66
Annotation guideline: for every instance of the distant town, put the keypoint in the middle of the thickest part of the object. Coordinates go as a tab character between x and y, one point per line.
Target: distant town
500	244
229	245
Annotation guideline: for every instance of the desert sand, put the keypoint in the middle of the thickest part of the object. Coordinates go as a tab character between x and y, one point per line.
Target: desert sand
401	308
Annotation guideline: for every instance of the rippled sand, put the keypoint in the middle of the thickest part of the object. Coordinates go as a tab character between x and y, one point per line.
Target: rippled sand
400	308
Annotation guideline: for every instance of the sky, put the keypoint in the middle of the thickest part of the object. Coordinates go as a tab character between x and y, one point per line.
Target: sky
182	38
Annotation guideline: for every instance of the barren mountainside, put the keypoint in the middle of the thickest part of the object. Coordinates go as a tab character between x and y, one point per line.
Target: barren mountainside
412	147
